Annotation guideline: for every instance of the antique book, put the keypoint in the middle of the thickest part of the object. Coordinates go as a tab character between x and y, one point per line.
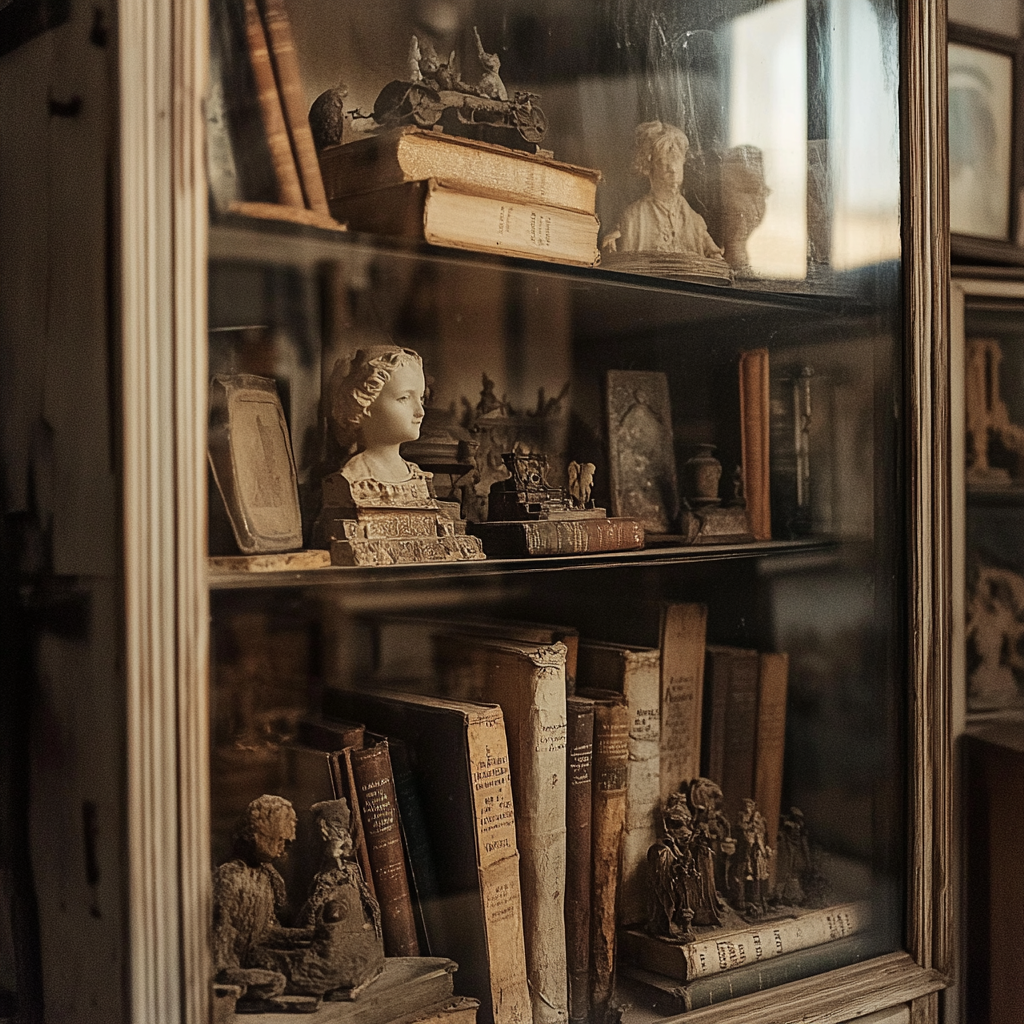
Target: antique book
408	989
683	637
293	102
481	168
459	754
378	805
427	211
755	429
398	642
457	1010
667	996
729	743
536	538
250	454
723	949
641	458
635	672
289	189
770	742
528	682
579	753
608	819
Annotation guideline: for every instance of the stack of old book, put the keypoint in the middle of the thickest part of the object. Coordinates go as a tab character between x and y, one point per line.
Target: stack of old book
426	185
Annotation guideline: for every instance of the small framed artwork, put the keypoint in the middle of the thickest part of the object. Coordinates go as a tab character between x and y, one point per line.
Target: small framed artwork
984	141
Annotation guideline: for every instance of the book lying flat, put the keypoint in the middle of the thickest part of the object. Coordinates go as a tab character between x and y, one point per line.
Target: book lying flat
482	168
427	211
722	949
540	537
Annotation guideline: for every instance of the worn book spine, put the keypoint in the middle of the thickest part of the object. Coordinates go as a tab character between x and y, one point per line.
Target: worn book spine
532	539
732	682
635	673
683	639
415	154
344	776
668	997
293	101
579	794
721	951
772	688
378	804
289	188
426	211
754	440
611	760
528	682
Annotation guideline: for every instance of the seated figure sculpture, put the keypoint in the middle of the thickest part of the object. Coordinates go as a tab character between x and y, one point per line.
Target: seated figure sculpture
661	226
379	509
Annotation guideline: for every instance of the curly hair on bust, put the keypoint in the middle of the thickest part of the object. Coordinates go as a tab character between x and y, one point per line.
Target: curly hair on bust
266	814
655	137
353	389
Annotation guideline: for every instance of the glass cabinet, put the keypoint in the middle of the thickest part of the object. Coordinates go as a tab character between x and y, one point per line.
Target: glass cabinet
652	294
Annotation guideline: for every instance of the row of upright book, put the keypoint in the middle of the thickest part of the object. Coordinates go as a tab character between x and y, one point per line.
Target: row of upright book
508	782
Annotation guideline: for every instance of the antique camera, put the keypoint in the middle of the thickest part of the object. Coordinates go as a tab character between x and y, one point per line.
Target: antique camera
527	494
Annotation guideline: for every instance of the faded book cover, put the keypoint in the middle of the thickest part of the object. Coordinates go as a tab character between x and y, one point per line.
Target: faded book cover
416	154
528	682
635	673
755	430
579	794
683	639
772	689
459	754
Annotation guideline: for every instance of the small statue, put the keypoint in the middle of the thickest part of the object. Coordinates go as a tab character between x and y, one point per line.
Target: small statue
581	482
995	629
379	509
799	882
713	849
753	866
346	950
743	204
995	445
490	84
663	221
671	864
327	117
248	893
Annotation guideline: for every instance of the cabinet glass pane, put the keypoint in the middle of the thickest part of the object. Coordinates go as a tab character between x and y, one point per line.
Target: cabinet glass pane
660	358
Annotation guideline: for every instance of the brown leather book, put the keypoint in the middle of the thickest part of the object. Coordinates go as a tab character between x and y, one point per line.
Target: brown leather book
579	754
754	430
772	686
729	745
378	804
608	820
293	102
288	186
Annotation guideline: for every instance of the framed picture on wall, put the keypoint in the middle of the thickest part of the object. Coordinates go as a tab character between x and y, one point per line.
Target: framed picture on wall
984	146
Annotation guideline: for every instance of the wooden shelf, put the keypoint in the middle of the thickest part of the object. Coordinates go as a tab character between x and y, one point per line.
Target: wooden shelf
659	556
996	497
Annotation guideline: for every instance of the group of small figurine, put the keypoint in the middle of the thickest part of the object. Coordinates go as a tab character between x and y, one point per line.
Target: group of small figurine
335	948
698	867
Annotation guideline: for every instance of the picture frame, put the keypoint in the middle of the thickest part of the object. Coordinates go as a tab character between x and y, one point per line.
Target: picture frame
985	136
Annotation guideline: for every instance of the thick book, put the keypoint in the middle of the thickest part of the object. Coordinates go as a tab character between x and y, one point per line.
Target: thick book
427	211
683	640
729	742
459	754
717	950
482	168
770	740
378	805
528	682
293	102
608	819
755	429
665	996
540	537
579	756
635	672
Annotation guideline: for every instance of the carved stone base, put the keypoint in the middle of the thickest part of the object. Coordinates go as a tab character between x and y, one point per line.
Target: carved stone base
716	524
404	551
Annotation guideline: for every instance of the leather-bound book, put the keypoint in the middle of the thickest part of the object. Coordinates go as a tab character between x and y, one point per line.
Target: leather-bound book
772	688
634	672
683	636
459	755
579	754
378	805
528	681
608	820
754	434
